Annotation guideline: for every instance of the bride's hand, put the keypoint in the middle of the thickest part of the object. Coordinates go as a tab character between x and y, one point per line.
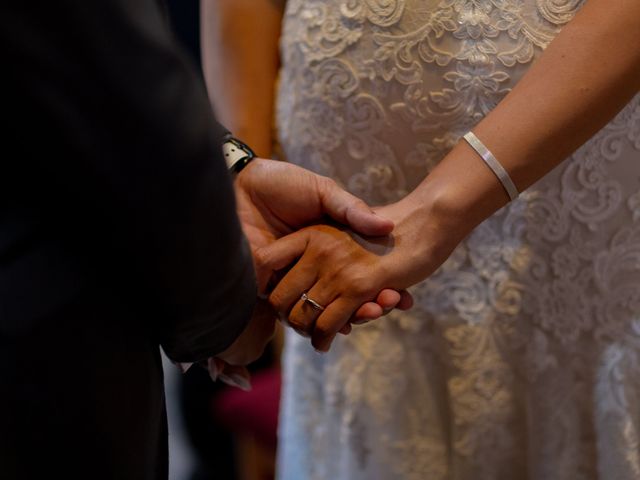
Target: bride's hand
340	270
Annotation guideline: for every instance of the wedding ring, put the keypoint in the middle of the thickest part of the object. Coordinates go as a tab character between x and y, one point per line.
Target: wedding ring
313	303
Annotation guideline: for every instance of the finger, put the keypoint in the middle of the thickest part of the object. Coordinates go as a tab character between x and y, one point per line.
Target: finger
406	301
352	211
368	311
331	321
304	313
388	299
287	293
393	299
346	330
280	254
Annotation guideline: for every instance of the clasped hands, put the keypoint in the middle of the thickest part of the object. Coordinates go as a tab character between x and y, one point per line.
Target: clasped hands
276	203
316	239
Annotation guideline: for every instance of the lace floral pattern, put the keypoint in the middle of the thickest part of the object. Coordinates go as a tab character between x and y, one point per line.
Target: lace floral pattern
522	356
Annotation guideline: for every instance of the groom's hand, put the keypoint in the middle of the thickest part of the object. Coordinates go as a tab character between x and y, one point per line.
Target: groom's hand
277	198
250	345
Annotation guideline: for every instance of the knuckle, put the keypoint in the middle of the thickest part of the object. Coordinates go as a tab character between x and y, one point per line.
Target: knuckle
261	259
361	284
323	331
277	302
323	254
297	319
360	290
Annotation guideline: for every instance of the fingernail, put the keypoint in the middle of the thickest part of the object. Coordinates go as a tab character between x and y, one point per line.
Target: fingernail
323	348
236	380
362	321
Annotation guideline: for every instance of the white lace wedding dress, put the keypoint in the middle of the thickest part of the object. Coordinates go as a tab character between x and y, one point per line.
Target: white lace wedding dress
521	359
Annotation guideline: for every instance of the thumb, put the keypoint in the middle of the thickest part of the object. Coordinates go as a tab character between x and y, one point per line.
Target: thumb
278	255
349	210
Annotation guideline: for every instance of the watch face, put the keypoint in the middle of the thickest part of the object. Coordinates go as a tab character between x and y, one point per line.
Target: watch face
236	154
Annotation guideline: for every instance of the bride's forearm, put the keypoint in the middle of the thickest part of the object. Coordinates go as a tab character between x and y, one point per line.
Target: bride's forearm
586	75
240	62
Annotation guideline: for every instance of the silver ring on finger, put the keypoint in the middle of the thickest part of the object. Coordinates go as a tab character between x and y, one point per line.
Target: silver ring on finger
306	299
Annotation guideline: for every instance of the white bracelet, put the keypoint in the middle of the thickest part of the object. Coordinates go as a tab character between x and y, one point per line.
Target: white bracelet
493	163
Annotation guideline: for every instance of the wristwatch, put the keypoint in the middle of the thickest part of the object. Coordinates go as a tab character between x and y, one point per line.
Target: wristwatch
237	154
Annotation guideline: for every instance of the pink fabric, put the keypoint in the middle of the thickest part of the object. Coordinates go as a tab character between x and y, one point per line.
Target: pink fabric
255	411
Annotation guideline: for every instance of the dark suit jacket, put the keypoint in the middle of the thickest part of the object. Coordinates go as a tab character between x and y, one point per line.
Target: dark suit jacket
117	233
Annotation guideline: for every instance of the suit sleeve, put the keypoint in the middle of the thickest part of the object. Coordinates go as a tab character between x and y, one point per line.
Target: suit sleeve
116	123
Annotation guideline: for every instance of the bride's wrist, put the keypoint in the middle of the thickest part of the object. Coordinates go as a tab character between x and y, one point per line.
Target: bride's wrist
434	211
432	220
448	204
460	192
